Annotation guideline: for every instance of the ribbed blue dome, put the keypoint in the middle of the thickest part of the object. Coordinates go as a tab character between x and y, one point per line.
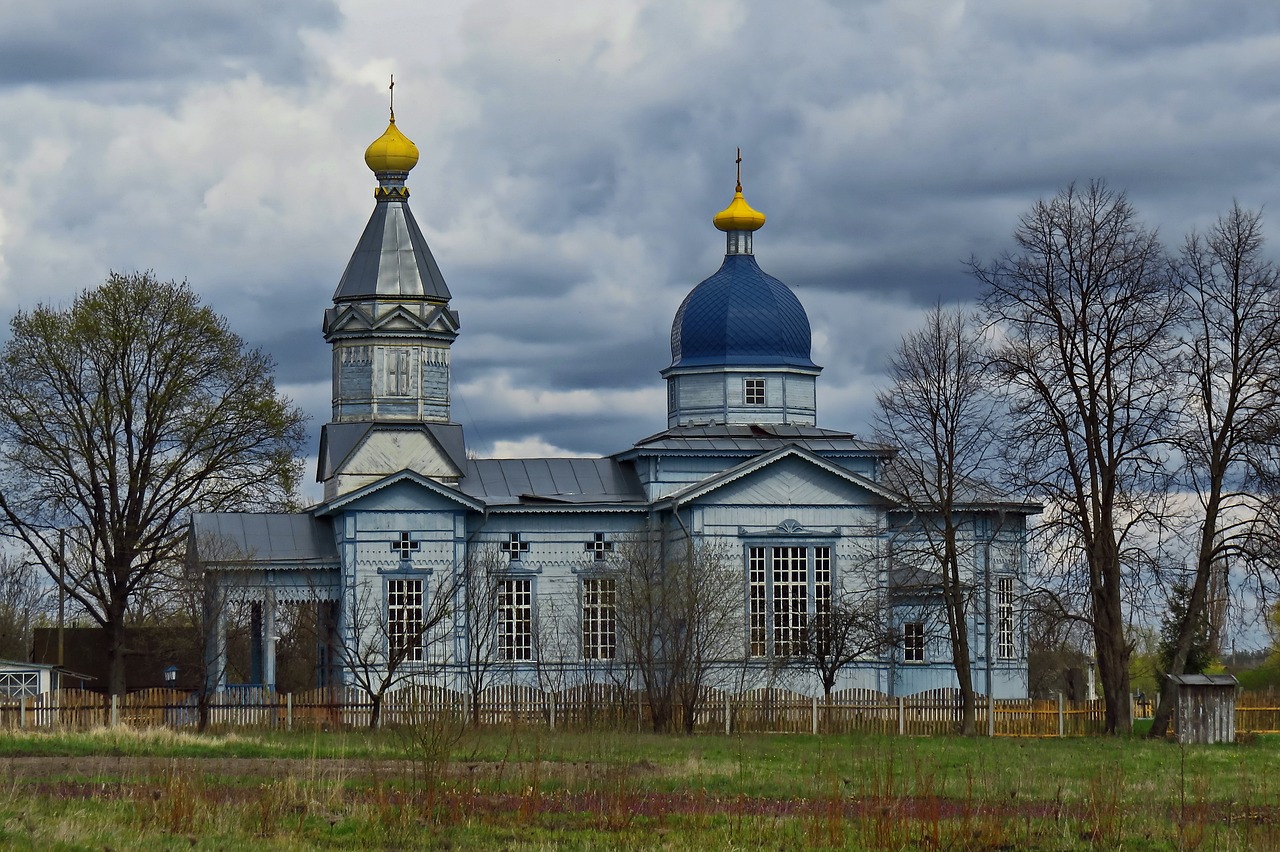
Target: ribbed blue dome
741	317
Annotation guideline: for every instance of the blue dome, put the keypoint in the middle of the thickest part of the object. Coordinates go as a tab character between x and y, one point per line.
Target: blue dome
741	317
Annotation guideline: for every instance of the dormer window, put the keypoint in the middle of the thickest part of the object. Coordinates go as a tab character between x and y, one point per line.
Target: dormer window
753	391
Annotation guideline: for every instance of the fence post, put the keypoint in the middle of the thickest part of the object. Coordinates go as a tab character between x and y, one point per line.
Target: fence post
902	716
815	715
115	710
22	711
728	715
991	715
1061	725
288	702
551	697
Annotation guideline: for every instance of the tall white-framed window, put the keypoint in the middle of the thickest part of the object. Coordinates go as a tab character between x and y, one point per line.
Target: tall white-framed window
515	620
913	642
786	586
1004	617
753	391
404	619
599	618
398	381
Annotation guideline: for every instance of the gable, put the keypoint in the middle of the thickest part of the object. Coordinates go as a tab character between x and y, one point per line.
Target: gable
791	481
386	450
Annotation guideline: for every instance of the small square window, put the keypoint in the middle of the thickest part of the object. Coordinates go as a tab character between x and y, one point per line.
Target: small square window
753	391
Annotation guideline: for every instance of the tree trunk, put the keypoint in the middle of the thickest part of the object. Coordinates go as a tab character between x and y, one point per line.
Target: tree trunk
116	684
375	710
1187	630
1111	647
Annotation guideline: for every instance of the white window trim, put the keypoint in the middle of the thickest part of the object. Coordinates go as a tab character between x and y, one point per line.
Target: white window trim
599	618
767	628
402	613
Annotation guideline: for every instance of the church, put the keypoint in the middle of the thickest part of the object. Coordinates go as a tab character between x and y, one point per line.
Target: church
428	565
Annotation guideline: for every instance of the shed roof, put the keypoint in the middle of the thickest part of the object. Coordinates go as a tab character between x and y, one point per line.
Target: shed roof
261	538
1204	680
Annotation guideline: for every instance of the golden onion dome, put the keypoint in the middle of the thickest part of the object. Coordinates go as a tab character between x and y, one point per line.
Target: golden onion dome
392	151
739	215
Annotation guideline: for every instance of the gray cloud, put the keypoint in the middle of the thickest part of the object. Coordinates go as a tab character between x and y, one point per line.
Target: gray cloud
573	155
94	44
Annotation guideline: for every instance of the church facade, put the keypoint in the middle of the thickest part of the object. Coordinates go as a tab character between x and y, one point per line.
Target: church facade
426	565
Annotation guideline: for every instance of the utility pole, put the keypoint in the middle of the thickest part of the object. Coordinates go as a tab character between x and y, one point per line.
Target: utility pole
62	594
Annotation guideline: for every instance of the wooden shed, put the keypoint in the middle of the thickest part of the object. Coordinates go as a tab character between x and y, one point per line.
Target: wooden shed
1206	709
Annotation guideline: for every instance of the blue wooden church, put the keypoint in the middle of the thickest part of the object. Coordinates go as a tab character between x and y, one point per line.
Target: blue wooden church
417	545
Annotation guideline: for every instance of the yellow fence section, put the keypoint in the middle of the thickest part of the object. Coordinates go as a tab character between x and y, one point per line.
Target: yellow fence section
589	707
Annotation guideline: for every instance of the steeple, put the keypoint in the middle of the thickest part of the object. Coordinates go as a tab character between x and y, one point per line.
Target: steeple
740	341
391	329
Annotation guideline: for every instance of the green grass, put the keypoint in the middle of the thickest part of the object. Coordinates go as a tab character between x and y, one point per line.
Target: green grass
533	789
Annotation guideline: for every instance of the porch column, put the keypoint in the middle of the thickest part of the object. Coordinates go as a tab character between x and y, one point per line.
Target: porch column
215	642
269	639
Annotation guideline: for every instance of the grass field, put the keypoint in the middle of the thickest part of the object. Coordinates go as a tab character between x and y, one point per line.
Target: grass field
445	788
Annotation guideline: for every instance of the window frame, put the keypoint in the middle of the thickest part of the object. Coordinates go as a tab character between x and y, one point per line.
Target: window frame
915	643
514	627
415	622
774	633
599	617
1006	647
754	391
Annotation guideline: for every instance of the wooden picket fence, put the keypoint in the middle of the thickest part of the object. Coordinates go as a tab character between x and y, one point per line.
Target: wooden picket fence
587	707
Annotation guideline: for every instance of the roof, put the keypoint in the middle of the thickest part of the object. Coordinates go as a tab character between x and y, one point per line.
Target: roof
750	466
909	476
236	538
741	316
1204	680
568	481
722	439
392	260
339	440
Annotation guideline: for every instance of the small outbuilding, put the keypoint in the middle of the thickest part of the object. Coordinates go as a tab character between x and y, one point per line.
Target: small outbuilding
1206	709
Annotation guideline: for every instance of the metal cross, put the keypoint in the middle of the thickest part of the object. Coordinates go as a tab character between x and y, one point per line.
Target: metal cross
599	547
513	547
404	546
739	162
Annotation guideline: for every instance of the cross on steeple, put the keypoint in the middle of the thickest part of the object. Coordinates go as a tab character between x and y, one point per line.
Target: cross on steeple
739	162
405	546
599	547
392	89
513	547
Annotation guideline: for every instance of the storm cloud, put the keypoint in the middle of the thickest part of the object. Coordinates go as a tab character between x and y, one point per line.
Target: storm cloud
573	153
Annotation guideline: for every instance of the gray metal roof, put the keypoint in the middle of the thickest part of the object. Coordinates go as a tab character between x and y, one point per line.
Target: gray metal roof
392	260
754	439
235	538
573	481
908	476
1204	680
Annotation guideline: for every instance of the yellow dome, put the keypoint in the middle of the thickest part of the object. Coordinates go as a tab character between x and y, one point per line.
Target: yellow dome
739	215
392	151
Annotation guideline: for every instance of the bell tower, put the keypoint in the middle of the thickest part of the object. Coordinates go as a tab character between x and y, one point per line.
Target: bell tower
390	329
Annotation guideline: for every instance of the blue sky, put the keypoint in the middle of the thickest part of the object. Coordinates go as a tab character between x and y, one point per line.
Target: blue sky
573	153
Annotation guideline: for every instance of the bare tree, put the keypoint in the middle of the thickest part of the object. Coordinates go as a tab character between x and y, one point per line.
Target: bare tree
483	577
850	626
119	416
679	613
1088	314
24	605
940	407
1230	366
396	631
